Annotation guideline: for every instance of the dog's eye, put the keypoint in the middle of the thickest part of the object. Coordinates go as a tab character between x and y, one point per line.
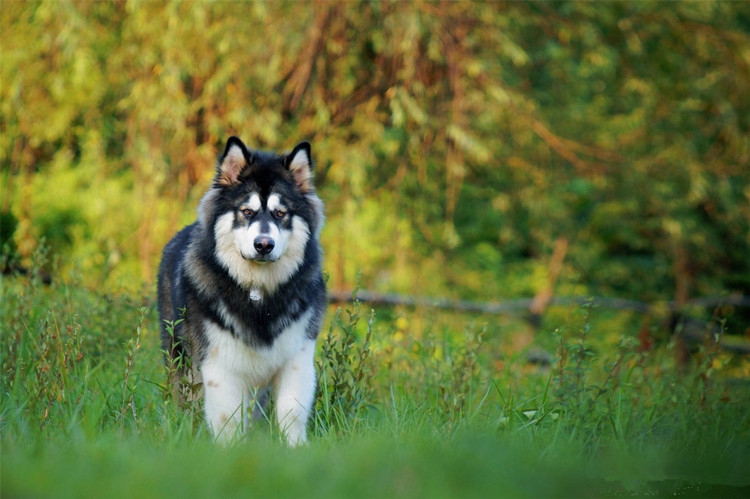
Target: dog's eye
248	212
280	213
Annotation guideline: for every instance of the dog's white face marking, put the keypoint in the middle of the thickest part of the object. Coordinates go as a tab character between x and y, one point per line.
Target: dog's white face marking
246	237
273	203
253	202
236	245
264	226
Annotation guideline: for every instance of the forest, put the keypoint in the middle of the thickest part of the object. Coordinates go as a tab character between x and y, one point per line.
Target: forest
456	144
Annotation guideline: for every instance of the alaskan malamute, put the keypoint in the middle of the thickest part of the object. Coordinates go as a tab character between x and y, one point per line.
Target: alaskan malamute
241	290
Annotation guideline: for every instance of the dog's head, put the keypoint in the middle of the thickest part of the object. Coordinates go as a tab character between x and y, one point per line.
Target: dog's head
264	210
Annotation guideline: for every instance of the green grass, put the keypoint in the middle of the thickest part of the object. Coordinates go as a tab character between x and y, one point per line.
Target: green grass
411	403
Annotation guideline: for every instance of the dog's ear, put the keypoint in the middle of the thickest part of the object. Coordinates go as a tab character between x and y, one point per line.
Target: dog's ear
299	162
235	158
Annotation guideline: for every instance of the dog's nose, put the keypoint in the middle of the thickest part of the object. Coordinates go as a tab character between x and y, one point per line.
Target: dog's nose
264	245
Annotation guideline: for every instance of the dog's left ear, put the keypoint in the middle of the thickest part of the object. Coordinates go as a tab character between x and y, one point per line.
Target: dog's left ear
299	162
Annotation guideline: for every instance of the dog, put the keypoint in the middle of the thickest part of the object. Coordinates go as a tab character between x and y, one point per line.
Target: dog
241	293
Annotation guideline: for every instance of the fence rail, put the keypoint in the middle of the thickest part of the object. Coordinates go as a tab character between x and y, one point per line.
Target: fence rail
524	304
690	330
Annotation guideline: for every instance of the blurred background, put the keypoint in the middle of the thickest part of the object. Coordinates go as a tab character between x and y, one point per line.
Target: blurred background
477	151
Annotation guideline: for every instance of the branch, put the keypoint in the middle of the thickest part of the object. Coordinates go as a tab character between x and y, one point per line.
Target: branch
523	304
691	330
301	73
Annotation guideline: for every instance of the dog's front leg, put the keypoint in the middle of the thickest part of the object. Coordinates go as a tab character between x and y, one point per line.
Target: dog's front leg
295	394
225	402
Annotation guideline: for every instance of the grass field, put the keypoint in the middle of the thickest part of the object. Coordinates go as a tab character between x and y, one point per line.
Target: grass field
411	403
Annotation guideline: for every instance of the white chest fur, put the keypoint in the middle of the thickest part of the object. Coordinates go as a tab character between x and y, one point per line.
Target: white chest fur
232	371
256	366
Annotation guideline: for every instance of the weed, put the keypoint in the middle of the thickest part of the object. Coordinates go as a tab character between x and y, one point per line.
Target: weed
128	389
80	371
580	385
180	383
454	371
19	305
345	372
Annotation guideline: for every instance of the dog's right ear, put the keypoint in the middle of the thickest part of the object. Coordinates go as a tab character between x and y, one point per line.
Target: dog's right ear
235	158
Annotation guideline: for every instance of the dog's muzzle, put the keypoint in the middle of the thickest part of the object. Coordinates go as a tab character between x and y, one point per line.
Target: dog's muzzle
264	245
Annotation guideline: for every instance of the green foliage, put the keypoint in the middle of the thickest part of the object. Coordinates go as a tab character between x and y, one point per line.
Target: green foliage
405	408
454	143
344	373
8	224
427	414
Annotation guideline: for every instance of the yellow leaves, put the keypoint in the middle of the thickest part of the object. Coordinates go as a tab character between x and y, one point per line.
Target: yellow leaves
501	202
437	104
718	363
499	94
404	106
402	324
468	143
728	366
514	51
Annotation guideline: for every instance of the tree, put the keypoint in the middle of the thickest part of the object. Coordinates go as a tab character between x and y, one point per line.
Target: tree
455	143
